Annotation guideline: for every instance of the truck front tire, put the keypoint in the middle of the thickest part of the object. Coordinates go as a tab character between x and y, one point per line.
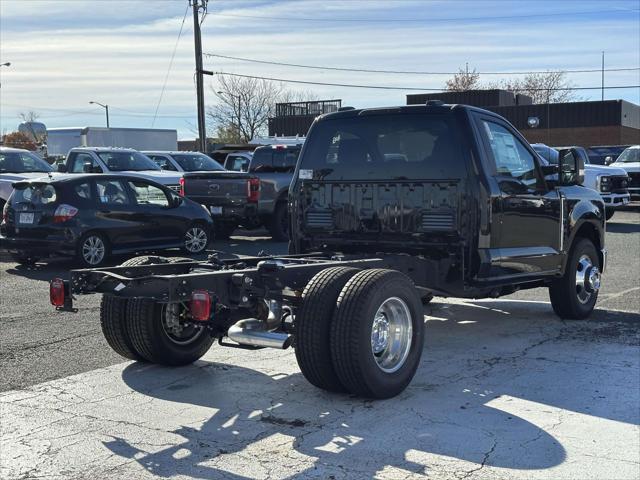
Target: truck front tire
313	327
377	333
278	225
574	295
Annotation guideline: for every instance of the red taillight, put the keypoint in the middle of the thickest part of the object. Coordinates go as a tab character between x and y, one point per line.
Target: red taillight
200	305
63	213
182	186
253	189
56	292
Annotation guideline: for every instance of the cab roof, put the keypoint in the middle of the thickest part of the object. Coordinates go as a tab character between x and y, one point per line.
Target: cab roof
432	107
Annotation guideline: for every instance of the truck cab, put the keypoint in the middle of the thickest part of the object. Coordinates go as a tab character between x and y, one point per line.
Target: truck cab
455	185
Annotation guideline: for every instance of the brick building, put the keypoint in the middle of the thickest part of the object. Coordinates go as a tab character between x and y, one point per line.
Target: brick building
608	122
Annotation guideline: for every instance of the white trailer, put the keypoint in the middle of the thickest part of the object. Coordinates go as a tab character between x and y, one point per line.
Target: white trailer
61	140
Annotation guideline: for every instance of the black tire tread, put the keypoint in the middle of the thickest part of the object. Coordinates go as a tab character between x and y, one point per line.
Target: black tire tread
345	347
313	327
274	222
562	290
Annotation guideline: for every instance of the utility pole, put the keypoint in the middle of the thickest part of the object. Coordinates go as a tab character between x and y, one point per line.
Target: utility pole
202	130
603	76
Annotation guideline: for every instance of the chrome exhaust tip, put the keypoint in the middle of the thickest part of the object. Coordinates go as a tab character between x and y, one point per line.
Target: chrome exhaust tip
252	331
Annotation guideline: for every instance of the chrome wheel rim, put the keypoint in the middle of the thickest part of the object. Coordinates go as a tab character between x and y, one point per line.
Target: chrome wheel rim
587	279
178	332
93	250
195	240
391	334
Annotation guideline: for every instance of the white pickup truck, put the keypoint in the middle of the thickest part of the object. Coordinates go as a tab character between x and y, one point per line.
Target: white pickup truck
629	161
118	160
610	182
17	164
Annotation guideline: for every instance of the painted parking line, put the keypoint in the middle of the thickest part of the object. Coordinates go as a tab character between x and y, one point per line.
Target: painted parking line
504	390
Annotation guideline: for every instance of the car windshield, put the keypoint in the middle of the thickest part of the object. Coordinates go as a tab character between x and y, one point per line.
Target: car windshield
630	155
121	161
22	162
393	146
196	162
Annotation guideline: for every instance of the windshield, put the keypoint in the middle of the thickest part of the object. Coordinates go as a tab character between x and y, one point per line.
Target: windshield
196	162
22	162
629	155
393	146
121	161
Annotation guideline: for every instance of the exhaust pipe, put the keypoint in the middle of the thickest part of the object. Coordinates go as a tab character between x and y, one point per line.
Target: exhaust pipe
252	331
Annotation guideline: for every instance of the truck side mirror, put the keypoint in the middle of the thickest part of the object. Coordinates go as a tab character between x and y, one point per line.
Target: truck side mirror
608	160
62	168
571	167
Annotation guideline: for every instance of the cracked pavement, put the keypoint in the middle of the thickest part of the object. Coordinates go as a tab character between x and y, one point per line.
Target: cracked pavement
504	390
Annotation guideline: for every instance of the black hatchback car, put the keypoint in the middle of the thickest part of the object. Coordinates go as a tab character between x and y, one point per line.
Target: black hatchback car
92	216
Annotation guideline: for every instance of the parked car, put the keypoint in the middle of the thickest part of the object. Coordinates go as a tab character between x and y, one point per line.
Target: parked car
274	166
17	164
184	161
611	183
629	161
238	161
605	154
90	217
119	161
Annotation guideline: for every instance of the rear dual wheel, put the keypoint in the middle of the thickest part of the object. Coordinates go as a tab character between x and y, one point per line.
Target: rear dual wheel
373	336
142	329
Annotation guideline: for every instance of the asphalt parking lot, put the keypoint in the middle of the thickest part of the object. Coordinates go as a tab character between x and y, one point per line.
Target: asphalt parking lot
505	390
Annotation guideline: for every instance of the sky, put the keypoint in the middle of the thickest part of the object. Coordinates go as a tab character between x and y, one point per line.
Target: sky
65	54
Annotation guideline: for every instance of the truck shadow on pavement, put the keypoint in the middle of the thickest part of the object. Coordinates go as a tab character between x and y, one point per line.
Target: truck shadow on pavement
496	380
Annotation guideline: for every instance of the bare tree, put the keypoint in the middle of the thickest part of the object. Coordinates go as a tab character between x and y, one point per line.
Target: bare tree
464	80
246	105
547	87
29	118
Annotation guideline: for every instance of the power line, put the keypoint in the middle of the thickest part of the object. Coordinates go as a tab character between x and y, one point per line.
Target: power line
408	72
166	77
386	87
424	20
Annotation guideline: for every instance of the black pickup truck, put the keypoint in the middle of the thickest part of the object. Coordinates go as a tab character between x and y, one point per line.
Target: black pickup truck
388	207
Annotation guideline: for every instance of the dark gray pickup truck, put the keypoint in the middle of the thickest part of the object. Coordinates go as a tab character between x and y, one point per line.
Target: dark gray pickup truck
230	197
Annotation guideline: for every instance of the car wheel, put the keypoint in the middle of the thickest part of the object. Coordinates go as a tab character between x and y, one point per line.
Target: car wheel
377	333
92	250
313	327
278	225
574	295
196	239
113	314
609	213
160	335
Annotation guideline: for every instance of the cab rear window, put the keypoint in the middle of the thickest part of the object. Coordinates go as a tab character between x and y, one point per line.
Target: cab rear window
384	147
34	194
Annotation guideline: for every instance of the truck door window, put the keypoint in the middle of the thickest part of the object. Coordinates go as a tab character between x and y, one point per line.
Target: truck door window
146	194
162	162
512	159
79	160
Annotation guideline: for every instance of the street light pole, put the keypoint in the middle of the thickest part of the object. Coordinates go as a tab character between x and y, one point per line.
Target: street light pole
106	108
202	130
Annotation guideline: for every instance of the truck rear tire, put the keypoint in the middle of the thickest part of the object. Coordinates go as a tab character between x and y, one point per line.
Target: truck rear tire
377	333
278	225
113	315
159	337
313	327
574	295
